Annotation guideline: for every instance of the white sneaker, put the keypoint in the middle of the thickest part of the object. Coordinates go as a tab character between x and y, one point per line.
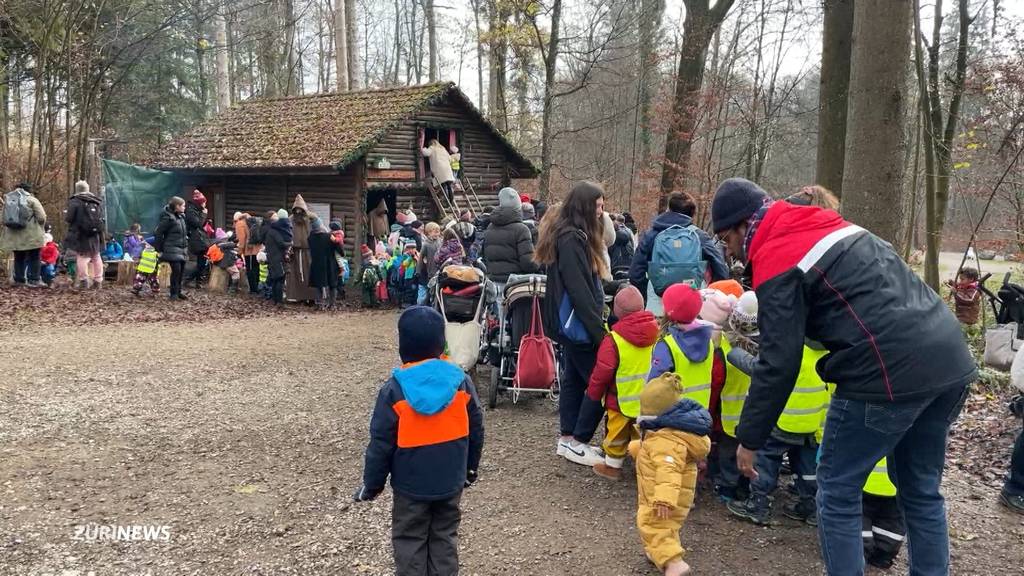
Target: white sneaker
560	450
583	454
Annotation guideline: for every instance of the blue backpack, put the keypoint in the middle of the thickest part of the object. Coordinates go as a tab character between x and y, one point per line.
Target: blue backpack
676	258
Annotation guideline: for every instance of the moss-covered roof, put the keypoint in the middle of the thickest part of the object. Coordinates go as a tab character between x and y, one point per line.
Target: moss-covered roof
317	131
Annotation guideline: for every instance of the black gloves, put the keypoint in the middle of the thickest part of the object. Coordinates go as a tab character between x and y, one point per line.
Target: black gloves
364	494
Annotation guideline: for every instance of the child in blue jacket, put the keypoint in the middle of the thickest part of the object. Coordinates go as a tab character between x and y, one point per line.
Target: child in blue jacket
427	433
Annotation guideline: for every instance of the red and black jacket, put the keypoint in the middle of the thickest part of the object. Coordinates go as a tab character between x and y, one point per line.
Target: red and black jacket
890	337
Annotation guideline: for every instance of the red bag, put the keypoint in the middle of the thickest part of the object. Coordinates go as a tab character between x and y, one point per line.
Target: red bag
535	368
382	291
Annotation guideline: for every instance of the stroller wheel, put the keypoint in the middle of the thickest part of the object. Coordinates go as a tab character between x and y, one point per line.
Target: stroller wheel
492	392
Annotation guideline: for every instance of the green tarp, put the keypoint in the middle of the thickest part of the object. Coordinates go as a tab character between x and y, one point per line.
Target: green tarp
136	194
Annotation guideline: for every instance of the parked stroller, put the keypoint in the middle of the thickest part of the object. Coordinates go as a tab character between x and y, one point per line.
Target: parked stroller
503	345
1007	303
460	295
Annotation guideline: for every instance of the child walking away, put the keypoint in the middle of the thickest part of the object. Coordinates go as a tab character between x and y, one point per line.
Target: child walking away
426	433
48	257
264	272
623	361
966	296
883	528
145	271
673	439
686	349
370	278
795	432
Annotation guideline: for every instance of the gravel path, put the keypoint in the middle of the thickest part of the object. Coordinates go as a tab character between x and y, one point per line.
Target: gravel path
245	437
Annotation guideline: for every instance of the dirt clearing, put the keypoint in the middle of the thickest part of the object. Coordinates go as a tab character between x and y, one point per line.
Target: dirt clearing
245	437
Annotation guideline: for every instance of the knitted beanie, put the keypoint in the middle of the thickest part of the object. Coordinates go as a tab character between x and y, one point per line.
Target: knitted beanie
261	256
682	303
282	213
627	301
735	201
198	198
336	225
744	315
727	287
660	394
420	334
525	199
508	197
529	212
81	187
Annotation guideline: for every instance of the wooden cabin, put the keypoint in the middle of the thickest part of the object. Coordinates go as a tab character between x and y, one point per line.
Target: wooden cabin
343	152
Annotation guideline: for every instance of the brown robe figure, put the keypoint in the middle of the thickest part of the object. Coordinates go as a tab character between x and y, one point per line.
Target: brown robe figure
296	286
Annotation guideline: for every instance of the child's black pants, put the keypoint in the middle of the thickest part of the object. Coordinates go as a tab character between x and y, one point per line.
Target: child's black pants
425	536
883	531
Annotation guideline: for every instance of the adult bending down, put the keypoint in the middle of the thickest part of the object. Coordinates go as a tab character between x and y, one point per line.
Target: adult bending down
572	249
896	355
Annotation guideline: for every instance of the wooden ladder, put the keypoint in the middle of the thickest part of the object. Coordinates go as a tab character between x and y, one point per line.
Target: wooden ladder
441	202
470	193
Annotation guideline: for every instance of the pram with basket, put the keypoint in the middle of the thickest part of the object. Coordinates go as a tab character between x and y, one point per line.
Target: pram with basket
460	295
503	345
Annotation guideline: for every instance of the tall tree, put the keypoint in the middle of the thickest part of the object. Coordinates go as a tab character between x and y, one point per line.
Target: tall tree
428	12
649	34
836	45
341	44
498	14
221	70
939	126
878	101
549	54
476	5
699	27
352	35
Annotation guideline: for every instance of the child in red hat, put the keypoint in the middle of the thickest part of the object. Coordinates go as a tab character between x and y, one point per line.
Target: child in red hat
686	349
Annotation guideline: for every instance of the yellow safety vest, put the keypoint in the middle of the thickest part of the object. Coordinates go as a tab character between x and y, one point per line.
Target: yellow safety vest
696	377
878	482
147	261
734	394
809	400
455	164
631	375
264	272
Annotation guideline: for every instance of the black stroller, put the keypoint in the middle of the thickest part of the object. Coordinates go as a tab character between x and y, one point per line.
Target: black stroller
1007	303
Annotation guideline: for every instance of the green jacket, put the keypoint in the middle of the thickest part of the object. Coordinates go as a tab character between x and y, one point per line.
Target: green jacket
31	236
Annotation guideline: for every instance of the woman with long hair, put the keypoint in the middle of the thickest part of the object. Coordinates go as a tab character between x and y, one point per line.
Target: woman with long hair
571	247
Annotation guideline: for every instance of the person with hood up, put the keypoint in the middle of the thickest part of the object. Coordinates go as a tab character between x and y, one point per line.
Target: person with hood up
440	167
681	208
171	240
530	219
621	252
323	265
277	240
508	247
687	348
673	440
297	285
896	355
23	233
623	361
427	434
196	218
85	235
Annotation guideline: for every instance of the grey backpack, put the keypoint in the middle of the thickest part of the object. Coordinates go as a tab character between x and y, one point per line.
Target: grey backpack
17	211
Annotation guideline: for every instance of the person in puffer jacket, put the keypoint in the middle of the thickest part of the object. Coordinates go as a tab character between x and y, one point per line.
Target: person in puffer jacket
427	434
623	361
508	246
673	439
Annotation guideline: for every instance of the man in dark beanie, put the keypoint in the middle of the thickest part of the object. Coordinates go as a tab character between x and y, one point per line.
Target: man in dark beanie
427	433
896	356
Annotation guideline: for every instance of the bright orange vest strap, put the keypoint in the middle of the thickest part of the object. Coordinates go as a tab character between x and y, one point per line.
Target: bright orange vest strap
415	429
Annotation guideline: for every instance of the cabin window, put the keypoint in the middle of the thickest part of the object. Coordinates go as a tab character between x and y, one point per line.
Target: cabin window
446	136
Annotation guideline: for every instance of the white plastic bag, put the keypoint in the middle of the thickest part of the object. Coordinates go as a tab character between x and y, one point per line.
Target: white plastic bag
1001	345
463	343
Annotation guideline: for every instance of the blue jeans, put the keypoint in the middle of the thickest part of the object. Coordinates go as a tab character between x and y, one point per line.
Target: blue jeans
913	435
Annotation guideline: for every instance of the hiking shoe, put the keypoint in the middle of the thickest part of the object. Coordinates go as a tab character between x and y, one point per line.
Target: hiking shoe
582	454
1015	503
605	471
802	512
757	509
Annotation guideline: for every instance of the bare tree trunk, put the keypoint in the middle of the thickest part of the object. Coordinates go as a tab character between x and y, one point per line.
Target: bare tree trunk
497	110
701	23
428	9
651	12
352	51
875	138
550	65
479	55
832	97
341	45
398	41
221	62
5	75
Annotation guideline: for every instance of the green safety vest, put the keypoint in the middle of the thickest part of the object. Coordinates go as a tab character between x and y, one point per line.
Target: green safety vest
878	482
696	377
631	375
147	262
734	394
809	400
264	272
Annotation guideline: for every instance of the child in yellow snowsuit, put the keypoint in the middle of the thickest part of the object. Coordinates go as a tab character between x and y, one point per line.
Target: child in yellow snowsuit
674	437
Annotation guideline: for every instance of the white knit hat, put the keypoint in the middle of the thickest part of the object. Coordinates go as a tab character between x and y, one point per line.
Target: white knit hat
744	316
81	187
238	216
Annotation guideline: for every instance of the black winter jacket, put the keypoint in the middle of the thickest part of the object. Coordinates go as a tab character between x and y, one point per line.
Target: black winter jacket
573	285
621	252
426	432
171	236
890	337
323	266
83	236
277	239
508	245
198	241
